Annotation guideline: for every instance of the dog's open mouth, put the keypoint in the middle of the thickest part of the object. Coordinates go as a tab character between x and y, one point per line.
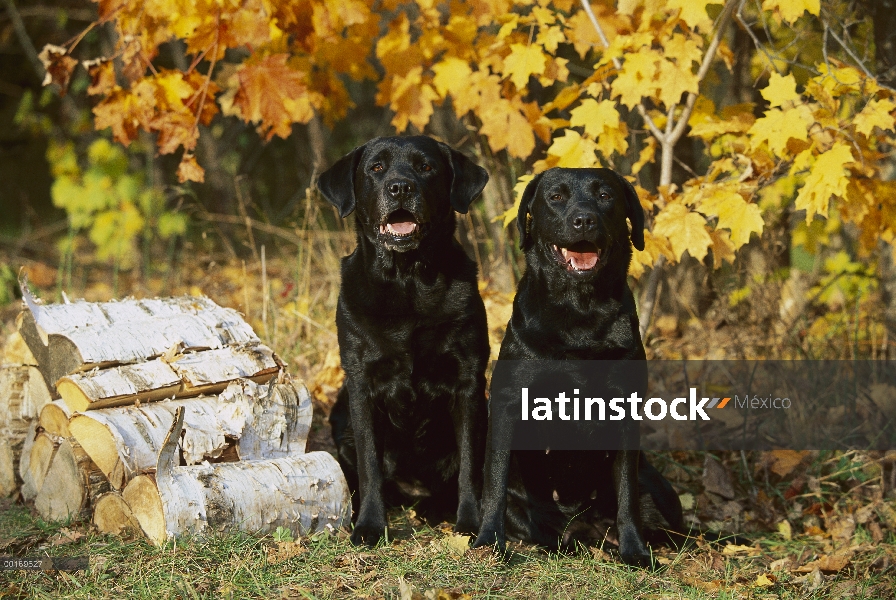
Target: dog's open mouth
400	224
581	256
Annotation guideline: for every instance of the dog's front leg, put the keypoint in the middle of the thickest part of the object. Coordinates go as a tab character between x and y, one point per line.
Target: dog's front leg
632	548
370	525
469	434
494	492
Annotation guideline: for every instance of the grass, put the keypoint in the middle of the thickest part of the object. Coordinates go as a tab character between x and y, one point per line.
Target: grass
419	558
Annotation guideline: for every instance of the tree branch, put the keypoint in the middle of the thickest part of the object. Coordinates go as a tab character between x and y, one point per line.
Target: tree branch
618	65
24	40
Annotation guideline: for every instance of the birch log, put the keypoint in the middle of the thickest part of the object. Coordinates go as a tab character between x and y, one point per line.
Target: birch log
54	418
29	490
306	493
42	452
79	336
23	394
189	375
272	420
7	468
113	516
71	483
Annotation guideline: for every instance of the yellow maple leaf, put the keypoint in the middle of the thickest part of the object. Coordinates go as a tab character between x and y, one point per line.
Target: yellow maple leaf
551	37
685	230
613	139
778	126
583	35
655	245
411	99
509	22
646	155
875	114
780	89
511	213
827	178
594	116
684	49
451	75
636	79
693	12
573	151
741	217
522	62
840	80
505	127
791	10
675	80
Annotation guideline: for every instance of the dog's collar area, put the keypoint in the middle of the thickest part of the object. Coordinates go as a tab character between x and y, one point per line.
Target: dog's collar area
580	257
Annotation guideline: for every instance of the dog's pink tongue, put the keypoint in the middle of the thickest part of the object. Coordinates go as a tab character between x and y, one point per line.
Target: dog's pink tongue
582	260
402	227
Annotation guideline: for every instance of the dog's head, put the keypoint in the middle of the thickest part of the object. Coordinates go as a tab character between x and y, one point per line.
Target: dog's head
402	187
576	219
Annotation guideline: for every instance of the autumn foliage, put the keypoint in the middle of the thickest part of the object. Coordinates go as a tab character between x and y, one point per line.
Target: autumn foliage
819	144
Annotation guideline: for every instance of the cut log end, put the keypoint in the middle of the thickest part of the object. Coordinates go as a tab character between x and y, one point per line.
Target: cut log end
98	442
54	418
113	516
42	452
142	496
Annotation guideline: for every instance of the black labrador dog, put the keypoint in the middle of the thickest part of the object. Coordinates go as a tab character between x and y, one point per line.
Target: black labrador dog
410	420
573	304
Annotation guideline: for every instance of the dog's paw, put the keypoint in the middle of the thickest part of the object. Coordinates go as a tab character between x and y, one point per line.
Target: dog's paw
490	538
633	551
467	520
368	534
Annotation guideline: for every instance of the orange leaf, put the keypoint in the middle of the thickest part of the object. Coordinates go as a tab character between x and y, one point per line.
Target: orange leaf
189	169
59	66
273	95
102	76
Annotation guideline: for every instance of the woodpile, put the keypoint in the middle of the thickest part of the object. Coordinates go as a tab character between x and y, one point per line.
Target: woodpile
159	417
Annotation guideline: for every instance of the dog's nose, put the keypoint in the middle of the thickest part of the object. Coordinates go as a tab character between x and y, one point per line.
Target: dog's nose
584	221
398	189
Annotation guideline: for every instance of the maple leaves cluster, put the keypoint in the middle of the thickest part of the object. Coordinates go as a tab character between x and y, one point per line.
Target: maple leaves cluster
275	63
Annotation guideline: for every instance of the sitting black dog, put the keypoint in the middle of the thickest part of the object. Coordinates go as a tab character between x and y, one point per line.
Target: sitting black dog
573	304
413	339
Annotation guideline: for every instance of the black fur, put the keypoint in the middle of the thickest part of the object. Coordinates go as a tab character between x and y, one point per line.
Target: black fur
561	313
410	419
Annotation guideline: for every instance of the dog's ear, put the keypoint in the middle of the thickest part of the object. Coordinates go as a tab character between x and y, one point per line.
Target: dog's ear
522	215
337	183
633	211
467	178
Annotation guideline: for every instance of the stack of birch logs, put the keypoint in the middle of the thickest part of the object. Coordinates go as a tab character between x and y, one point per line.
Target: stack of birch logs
170	417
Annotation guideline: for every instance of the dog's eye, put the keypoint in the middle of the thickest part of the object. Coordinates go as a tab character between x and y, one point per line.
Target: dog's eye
377	167
556	197
604	196
425	167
